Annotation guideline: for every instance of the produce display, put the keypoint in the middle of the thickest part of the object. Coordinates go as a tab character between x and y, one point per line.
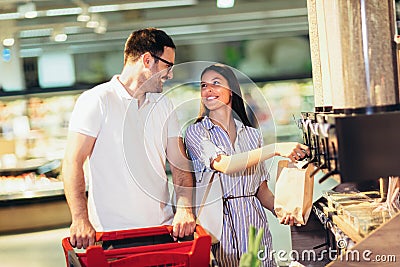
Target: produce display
28	182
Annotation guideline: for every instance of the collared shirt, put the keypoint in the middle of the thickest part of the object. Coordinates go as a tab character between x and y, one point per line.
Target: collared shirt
239	213
247	138
127	179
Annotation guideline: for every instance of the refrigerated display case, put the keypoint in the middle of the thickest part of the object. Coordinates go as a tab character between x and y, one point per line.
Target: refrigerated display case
33	130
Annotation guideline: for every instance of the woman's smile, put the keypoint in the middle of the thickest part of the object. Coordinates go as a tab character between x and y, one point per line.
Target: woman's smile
211	98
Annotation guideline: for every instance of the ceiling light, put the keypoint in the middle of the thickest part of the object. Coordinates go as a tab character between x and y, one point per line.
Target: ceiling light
28	10
92	24
178	30
58	34
61	37
8	42
8	16
141	5
83	17
35	33
94	21
63	11
104	8
102	28
225	3
31	14
156	4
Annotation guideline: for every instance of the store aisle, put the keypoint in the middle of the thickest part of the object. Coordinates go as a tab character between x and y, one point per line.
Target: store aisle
35	249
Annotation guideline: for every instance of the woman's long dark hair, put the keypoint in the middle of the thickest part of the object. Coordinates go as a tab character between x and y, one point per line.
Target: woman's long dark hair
239	111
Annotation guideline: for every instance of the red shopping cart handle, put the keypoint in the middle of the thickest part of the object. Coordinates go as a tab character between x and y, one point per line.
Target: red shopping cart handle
123	234
139	232
194	253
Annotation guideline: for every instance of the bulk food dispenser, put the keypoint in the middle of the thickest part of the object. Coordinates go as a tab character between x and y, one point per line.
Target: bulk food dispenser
354	132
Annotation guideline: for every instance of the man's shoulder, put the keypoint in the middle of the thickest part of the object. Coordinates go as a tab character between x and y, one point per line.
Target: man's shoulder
99	91
158	97
101	88
161	100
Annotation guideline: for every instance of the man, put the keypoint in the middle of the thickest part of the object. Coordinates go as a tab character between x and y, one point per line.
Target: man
117	125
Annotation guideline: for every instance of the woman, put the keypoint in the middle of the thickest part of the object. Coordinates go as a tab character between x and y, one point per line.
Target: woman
223	140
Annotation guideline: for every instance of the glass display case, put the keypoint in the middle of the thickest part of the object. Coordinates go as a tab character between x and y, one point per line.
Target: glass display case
33	131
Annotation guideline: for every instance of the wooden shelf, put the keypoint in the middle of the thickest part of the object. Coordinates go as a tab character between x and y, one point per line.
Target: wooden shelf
380	248
347	228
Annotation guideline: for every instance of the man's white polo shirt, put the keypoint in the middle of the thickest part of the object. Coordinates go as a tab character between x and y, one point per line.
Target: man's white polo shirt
128	186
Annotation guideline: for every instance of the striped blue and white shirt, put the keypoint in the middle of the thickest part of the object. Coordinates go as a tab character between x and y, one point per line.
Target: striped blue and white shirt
241	207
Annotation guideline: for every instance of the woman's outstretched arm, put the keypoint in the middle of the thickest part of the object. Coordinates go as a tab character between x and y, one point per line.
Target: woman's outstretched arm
242	161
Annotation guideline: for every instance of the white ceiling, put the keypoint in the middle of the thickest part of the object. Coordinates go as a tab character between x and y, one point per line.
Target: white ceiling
190	21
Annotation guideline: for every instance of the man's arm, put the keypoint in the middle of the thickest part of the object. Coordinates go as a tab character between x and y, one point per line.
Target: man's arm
184	221
79	147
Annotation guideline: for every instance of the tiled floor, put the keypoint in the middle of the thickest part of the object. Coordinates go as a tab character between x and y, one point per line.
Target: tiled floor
36	249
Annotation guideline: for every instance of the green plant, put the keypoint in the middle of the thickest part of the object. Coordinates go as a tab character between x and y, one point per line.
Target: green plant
250	258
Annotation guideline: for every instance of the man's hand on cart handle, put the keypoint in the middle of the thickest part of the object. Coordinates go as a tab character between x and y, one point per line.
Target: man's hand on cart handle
82	234
184	223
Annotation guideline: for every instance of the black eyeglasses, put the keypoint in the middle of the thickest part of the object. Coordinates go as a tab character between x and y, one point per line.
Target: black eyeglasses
170	64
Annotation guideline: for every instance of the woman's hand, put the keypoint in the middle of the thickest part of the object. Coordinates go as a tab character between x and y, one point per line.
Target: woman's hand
288	220
292	150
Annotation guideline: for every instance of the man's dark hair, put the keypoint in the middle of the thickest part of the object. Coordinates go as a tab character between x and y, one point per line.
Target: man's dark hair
146	40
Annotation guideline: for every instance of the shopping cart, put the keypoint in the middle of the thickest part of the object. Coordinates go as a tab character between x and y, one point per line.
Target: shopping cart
141	247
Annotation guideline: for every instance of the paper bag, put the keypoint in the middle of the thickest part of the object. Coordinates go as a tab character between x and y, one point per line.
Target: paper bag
293	192
209	207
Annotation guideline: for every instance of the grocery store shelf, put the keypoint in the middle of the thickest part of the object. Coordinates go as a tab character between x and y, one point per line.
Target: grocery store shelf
347	229
29	215
52	190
